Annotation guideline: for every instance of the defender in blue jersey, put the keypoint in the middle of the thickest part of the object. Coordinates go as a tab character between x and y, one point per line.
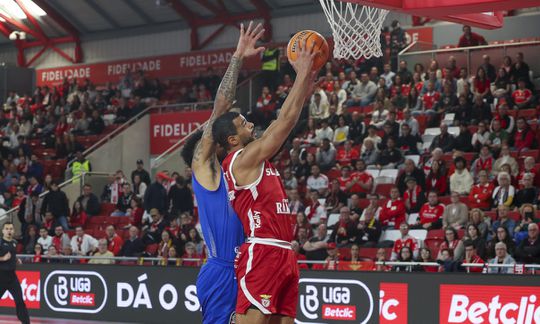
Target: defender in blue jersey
222	230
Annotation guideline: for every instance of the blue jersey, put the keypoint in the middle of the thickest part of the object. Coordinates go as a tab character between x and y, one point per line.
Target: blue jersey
223	233
222	230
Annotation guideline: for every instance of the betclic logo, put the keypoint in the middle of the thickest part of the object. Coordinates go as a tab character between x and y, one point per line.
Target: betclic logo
334	301
393	303
489	304
30	286
75	291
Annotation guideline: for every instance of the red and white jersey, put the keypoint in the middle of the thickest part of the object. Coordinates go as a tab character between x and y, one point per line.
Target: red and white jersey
263	207
408	241
430	214
520	96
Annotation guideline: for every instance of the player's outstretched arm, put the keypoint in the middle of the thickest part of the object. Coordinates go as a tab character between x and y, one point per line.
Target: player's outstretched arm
276	134
205	151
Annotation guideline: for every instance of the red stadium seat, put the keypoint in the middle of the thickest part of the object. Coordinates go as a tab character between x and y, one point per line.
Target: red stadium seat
445	200
527	113
107	209
344	253
514	215
491	214
533	153
363	203
435	234
97	220
333	174
152	249
384	189
368	253
433	245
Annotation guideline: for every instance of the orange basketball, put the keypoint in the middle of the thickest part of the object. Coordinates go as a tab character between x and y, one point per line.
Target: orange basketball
311	37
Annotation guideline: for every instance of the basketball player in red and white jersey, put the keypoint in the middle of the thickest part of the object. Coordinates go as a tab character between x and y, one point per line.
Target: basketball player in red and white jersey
266	266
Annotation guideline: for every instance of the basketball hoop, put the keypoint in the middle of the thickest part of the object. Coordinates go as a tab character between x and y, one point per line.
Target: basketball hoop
356	28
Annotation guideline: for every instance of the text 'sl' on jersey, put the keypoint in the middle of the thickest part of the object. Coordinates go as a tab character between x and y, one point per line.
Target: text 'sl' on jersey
263	207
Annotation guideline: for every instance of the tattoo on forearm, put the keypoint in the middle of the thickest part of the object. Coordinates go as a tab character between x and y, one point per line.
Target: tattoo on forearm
227	87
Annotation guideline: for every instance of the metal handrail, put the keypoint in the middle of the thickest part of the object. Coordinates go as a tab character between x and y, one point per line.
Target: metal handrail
462	49
467	265
41	195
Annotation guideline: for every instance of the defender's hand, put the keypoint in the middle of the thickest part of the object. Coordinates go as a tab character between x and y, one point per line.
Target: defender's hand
248	39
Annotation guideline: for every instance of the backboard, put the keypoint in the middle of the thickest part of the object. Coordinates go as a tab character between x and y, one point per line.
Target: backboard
485	14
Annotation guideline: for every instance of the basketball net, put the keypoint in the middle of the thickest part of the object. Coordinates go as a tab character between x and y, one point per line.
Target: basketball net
356	28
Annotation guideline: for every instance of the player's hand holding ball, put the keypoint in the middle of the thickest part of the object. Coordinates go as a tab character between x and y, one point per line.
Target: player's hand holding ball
311	41
248	39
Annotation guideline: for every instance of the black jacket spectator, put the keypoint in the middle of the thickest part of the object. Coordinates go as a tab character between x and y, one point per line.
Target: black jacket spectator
132	248
156	197
369	234
528	251
464	141
417	174
180	198
56	202
408	144
90	204
526	196
390	155
96	125
142	173
445	141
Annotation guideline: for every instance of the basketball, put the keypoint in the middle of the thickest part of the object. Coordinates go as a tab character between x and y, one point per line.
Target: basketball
311	37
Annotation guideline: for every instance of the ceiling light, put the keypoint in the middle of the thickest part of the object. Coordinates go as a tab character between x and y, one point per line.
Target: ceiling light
33	8
12	9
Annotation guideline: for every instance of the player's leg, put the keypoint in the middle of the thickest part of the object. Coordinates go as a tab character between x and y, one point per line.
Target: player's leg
252	316
15	289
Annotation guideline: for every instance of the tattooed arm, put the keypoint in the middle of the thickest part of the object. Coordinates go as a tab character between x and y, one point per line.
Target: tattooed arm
204	162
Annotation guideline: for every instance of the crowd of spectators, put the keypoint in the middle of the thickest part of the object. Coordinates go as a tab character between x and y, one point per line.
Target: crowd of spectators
359	168
154	219
360	163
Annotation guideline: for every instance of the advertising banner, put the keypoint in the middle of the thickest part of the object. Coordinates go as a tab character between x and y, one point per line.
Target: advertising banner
165	66
153	294
167	129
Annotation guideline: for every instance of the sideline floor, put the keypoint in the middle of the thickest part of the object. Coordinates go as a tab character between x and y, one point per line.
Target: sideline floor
5	319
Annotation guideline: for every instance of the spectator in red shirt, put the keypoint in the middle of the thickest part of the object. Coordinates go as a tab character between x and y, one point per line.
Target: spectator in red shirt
482	85
345	179
480	195
393	211
437	178
115	242
414	197
425	256
470	39
264	108
524	137
430	216
405	240
472	257
430	99
347	154
190	253
361	181
522	96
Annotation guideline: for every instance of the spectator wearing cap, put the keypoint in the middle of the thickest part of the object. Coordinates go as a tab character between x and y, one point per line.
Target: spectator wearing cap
528	250
461	181
56	202
141	172
470	39
414	197
156	194
502	258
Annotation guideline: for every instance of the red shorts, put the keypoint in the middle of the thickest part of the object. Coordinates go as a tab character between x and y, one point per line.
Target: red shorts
267	279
